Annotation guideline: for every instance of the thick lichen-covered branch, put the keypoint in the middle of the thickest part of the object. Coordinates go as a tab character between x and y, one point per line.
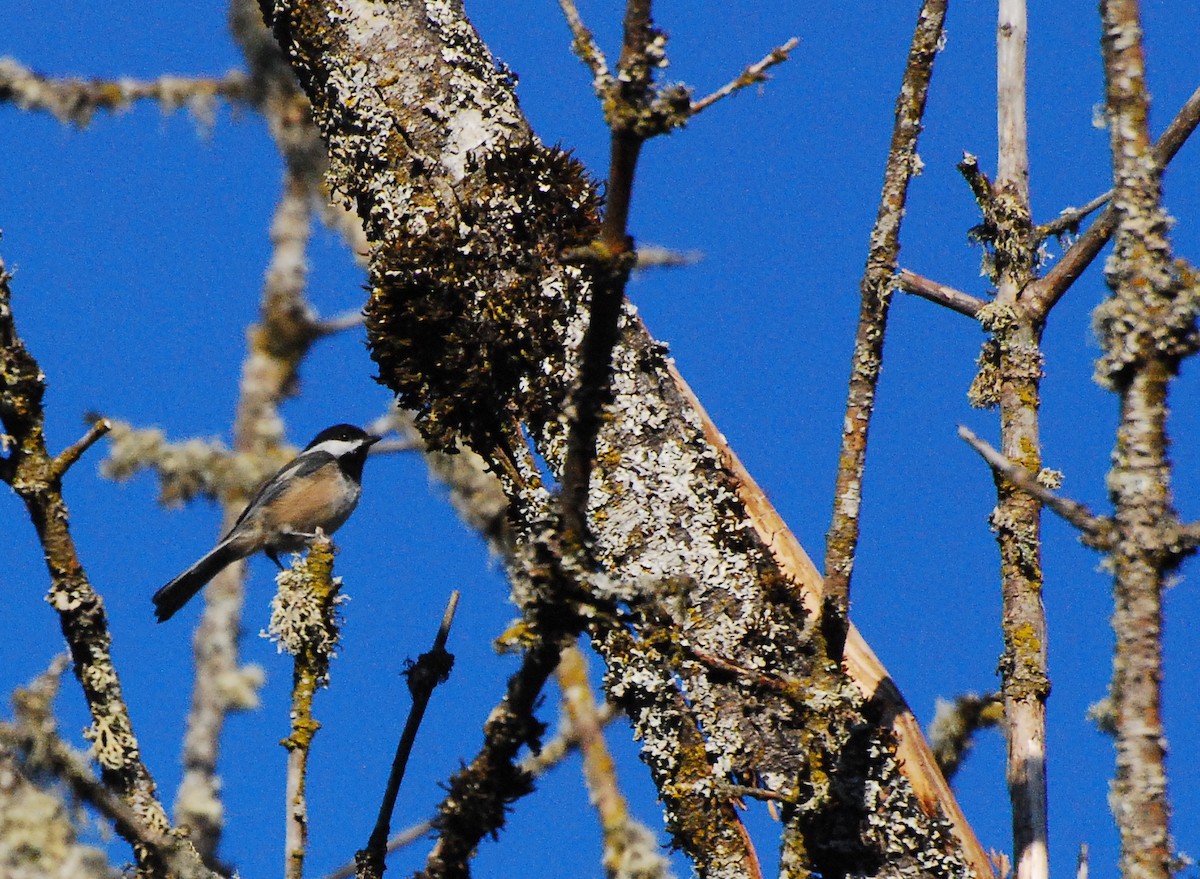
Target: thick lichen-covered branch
29	469
475	322
841	542
1146	327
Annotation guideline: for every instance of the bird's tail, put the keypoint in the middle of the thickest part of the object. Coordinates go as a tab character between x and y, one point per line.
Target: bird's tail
179	591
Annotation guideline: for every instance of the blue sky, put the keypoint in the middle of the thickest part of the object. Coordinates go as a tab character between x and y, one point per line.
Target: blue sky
139	245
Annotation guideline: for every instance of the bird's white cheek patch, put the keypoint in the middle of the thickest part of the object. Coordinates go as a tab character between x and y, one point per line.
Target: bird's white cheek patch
336	447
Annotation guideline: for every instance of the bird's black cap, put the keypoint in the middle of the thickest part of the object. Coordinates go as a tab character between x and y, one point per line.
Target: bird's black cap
343	432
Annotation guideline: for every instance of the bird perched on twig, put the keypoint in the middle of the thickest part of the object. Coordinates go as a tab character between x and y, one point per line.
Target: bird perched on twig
319	489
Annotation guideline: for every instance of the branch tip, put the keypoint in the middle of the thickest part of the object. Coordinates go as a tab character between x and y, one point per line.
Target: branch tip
754	73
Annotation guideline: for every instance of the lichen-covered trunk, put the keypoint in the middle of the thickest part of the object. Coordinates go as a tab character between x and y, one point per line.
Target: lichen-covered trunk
474	321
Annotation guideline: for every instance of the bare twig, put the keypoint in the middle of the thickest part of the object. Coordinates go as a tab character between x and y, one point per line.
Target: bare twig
753	74
77	100
650	256
550	755
430	669
955	300
478	794
340	322
1041	296
304	622
1097	531
72	453
1070	218
841	542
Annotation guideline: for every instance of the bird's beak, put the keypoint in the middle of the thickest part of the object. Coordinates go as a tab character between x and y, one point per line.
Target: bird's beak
371	440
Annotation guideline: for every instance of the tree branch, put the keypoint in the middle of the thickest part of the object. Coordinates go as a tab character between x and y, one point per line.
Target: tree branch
752	75
76	101
423	677
955	300
304	623
1145	328
1041	296
29	470
841	542
1097	531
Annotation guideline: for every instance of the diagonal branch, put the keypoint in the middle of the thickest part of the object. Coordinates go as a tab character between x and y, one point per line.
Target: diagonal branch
1041	296
1097	531
753	74
841	542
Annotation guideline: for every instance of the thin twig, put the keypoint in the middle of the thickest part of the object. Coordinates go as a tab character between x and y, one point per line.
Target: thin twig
551	754
339	323
72	453
651	256
479	793
841	542
585	46
430	669
754	73
1097	530
1070	218
955	300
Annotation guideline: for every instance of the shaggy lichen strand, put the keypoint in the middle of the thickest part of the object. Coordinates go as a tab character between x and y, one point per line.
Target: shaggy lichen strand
470	340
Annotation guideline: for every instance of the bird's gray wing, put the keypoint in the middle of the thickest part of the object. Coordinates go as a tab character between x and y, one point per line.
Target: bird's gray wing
302	466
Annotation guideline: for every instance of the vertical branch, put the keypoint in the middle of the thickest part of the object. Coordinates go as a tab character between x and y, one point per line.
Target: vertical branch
1145	327
1014	349
876	289
304	621
277	345
423	676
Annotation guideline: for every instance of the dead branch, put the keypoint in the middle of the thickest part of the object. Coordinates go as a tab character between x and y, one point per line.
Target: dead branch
841	542
955	300
423	677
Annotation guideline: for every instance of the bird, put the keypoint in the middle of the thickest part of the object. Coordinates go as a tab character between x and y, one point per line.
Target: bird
318	489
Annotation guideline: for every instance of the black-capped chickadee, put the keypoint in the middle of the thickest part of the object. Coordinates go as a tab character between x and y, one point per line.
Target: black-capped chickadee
318	489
